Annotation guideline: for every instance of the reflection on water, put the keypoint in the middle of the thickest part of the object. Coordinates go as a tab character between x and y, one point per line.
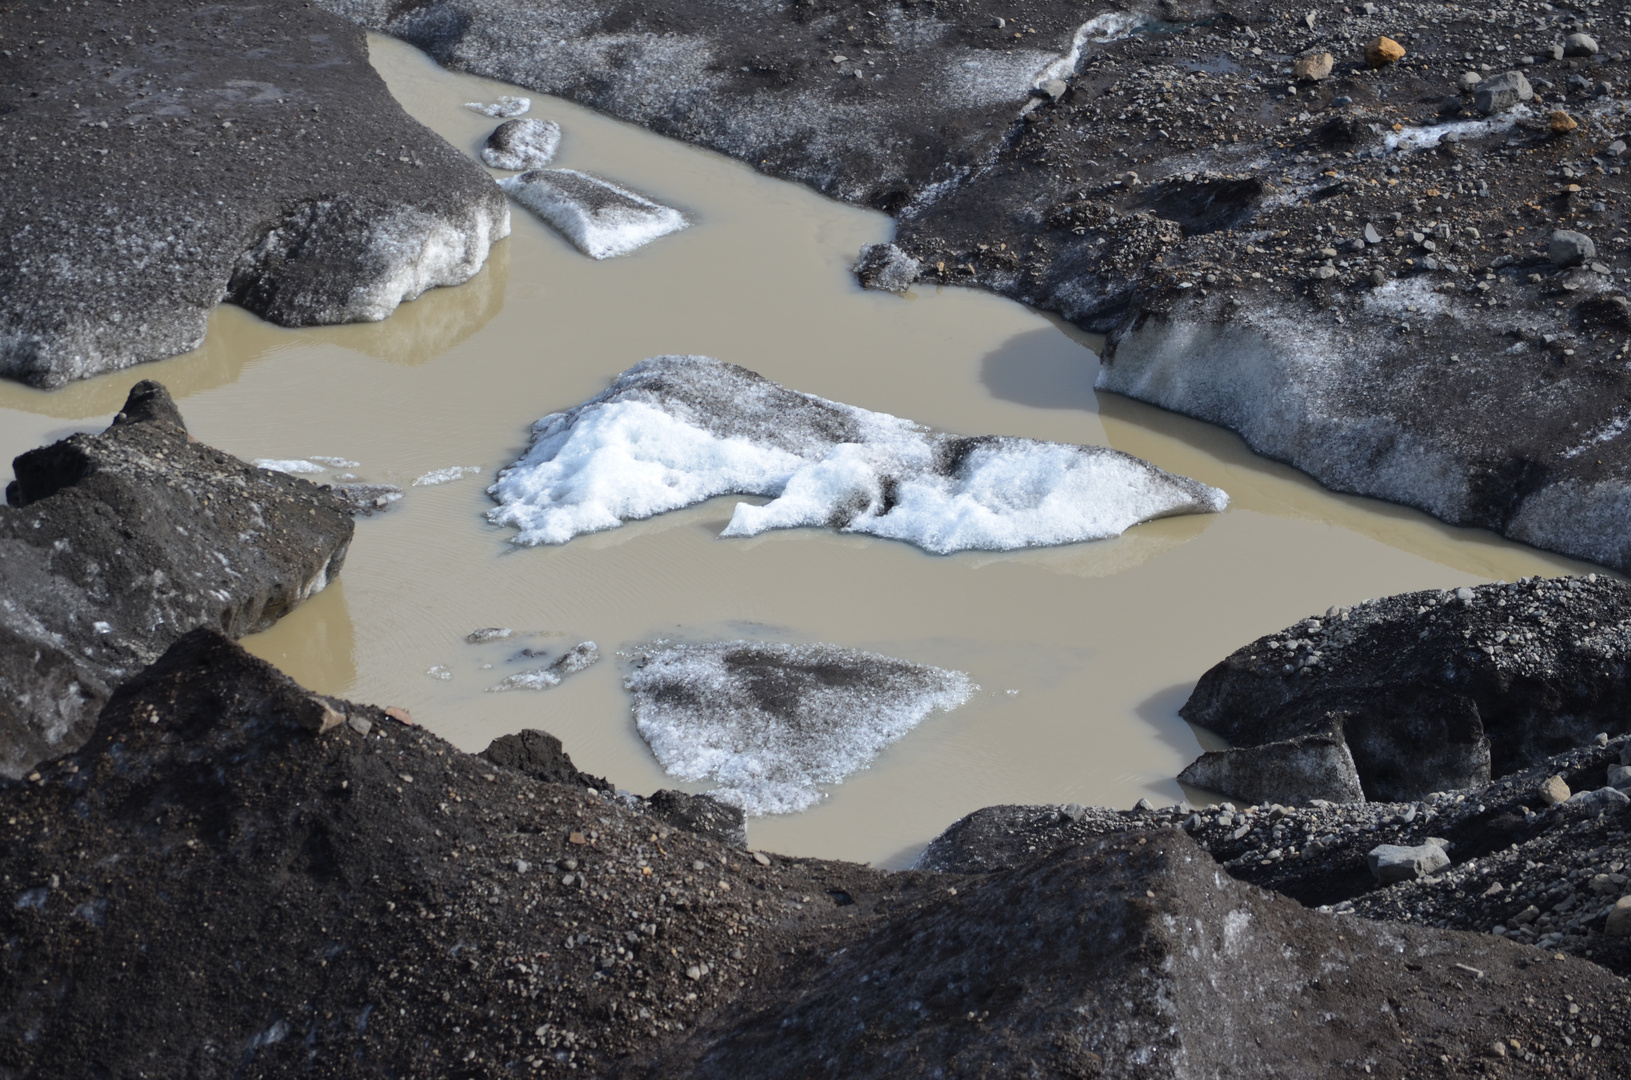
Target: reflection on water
1083	653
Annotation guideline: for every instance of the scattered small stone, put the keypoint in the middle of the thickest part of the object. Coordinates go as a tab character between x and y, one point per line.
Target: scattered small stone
1561	122
1390	863
399	714
1553	790
1382	51
1619	918
360	724
1469	80
1313	66
1579	45
1129	179
1604	800
1501	92
761	858
1569	248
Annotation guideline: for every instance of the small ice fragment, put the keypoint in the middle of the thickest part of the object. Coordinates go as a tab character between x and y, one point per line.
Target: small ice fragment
102	627
446	476
522	144
368	499
502	109
297	466
488	633
676	430
540	679
335	462
602	219
440	672
769	722
574	660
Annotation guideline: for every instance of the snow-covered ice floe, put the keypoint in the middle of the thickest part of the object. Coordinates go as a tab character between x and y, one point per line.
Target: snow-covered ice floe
502	109
599	217
292	466
677	430
580	656
769	722
522	144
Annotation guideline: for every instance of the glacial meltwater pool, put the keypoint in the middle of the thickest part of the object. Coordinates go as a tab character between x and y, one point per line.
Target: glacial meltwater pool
1082	653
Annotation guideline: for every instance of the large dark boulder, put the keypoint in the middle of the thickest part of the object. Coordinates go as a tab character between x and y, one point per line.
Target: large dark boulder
539	754
114	545
161	158
1434	691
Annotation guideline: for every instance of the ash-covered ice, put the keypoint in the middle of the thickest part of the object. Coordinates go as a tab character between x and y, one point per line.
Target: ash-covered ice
769	722
522	144
677	430
600	218
502	109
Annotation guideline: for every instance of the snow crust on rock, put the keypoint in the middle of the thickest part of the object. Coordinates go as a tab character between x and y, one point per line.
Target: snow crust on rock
673	431
504	108
522	144
770	722
600	218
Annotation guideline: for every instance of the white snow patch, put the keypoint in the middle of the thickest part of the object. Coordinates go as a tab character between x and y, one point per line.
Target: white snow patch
293	466
986	77
602	219
446	476
1425	138
502	109
674	431
1611	430
1101	29
771	722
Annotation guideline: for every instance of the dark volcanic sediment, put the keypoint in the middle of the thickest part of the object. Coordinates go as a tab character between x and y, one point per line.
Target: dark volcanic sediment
158	159
114	545
220	885
1354	273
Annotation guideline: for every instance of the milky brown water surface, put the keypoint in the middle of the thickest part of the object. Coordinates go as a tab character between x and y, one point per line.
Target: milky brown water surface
1083	653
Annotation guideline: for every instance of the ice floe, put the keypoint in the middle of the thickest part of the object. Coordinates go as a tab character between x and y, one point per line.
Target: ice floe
770	722
600	218
522	144
580	656
675	430
502	109
292	466
446	476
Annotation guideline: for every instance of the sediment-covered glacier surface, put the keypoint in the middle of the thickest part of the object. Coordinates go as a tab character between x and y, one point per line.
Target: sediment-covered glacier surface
673	431
770	722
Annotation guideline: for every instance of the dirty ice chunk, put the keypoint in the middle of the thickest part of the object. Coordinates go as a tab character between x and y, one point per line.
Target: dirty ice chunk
580	656
600	218
676	430
770	722
522	144
504	108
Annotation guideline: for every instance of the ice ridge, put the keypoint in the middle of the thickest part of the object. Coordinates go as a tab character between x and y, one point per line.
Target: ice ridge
770	722
673	431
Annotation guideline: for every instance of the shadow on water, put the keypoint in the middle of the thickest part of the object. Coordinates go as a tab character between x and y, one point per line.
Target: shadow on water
1042	369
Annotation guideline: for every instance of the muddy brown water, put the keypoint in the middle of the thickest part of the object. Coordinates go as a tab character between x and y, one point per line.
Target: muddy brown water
1083	653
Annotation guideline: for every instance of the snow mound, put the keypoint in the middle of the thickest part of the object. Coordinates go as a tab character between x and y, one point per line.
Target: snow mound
580	656
446	476
600	218
502	109
676	430
522	144
770	722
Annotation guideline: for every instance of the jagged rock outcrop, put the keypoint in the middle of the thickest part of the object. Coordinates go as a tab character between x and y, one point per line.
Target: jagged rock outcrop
114	545
1433	691
162	158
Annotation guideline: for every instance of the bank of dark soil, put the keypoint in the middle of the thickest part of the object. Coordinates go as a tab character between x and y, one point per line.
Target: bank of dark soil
1351	273
114	545
216	885
158	159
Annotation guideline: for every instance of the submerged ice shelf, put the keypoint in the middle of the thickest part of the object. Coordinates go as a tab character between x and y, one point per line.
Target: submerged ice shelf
769	722
676	430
